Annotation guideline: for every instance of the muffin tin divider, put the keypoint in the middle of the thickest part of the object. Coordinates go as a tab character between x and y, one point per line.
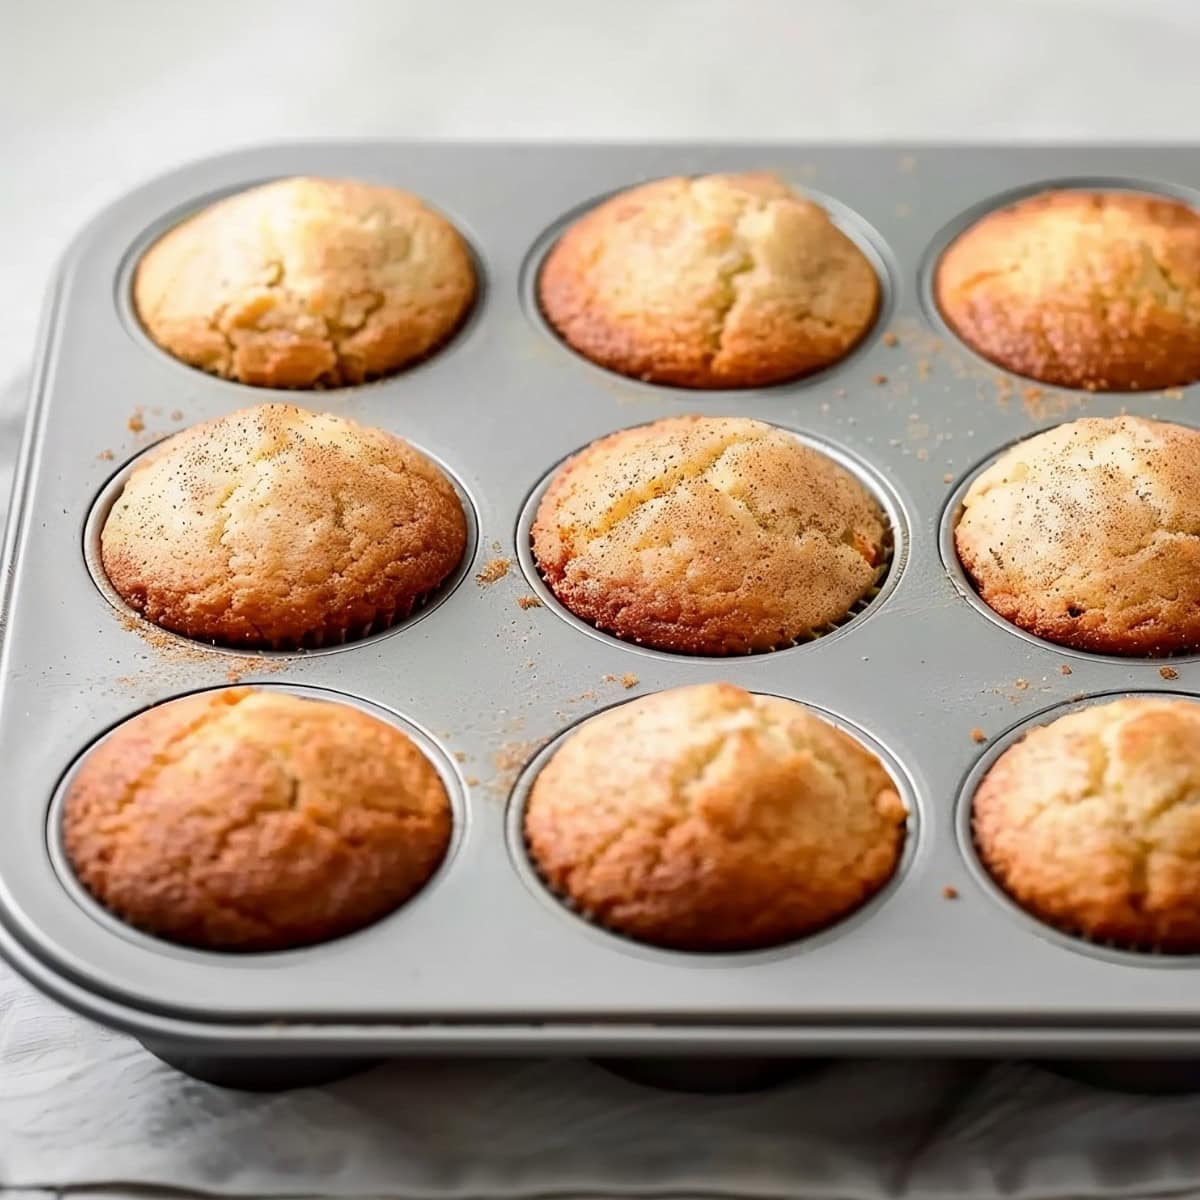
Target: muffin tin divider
482	960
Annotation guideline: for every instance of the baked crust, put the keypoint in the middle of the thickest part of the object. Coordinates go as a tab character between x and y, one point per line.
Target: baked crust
1097	290
1091	823
1089	535
305	283
722	281
275	527
254	820
708	535
708	818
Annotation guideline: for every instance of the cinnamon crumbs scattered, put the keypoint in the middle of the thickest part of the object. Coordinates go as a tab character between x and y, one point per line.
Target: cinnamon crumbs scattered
493	569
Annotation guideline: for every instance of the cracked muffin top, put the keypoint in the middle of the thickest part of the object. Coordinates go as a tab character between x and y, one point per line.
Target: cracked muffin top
1089	535
306	283
275	527
1096	290
710	818
722	281
253	820
1091	823
708	535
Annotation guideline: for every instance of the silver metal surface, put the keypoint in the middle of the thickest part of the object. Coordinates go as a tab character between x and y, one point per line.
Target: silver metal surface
483	960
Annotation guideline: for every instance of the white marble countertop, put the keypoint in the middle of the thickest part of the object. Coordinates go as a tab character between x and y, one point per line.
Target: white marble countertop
96	95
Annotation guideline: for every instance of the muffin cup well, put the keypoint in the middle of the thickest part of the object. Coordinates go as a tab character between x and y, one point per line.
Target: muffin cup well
895	550
1122	955
123	288
951	514
969	217
865	237
428	745
527	869
384	622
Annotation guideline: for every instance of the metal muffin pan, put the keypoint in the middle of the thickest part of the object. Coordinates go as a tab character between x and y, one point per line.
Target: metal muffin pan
483	961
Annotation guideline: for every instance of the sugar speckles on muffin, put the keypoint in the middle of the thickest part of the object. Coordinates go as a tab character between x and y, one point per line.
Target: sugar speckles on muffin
708	535
275	527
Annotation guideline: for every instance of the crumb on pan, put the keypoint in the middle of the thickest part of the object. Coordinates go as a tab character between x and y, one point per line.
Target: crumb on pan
493	569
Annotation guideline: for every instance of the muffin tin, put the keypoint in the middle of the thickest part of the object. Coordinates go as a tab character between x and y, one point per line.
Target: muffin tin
484	961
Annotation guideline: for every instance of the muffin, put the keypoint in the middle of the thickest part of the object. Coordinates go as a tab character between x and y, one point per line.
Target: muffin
274	527
722	281
1091	824
306	283
1095	290
1089	535
708	535
708	818
253	820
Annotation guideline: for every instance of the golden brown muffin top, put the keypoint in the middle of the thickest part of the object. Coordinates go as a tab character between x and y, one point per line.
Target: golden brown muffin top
306	283
1089	535
254	820
709	818
277	527
1091	822
1082	289
717	281
708	535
